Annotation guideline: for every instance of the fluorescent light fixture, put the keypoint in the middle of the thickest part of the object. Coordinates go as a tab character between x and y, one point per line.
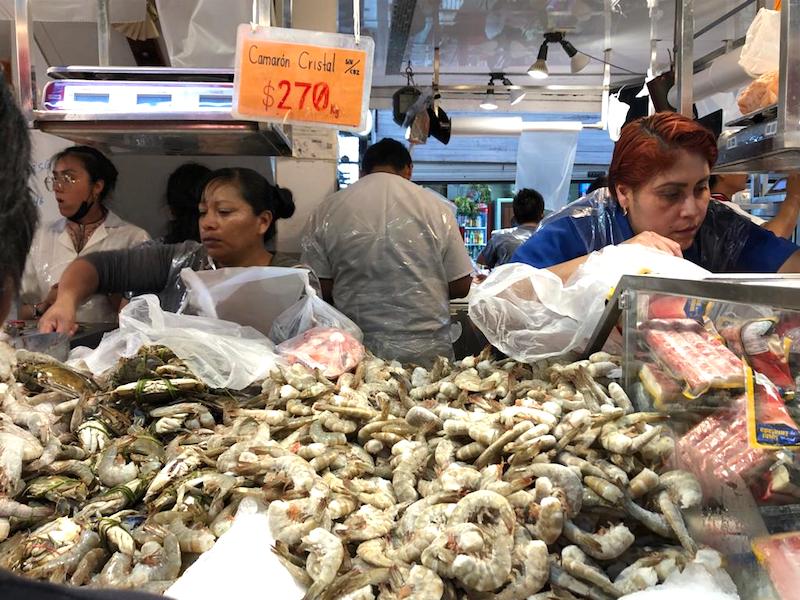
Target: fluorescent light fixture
538	70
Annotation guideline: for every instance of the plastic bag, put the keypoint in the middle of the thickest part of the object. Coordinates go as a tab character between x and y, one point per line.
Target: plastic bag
762	46
220	353
530	314
253	296
309	312
761	93
244	554
332	351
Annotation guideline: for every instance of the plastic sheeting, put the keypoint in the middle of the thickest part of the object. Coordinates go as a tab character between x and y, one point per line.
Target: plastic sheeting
222	354
200	33
253	296
69	11
544	163
529	314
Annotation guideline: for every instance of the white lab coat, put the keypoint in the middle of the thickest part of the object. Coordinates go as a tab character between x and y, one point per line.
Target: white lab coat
391	248
53	251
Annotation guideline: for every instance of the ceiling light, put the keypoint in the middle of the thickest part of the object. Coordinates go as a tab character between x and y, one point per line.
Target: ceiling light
515	93
538	70
577	60
488	101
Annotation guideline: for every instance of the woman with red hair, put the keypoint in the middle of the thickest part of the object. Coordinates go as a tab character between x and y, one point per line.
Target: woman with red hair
658	196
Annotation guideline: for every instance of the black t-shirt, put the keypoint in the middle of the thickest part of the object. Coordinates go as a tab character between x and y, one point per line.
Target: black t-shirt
20	588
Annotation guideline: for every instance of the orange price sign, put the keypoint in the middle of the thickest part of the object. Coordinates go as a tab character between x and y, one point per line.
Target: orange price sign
303	77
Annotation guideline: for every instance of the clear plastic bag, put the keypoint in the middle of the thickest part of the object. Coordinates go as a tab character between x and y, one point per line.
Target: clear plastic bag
309	312
332	351
530	314
762	46
253	296
222	354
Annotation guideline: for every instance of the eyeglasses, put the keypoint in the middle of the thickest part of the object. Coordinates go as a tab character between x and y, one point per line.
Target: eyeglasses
55	181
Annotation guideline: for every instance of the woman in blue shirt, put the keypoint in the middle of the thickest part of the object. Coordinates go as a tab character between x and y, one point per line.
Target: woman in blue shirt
658	196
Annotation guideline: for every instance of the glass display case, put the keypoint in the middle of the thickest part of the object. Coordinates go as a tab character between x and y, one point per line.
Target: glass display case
717	363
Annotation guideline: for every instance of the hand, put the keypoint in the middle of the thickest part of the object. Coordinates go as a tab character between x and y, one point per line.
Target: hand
59	318
658	242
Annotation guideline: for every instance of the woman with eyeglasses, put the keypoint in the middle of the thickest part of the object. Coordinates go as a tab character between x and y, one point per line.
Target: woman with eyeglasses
82	180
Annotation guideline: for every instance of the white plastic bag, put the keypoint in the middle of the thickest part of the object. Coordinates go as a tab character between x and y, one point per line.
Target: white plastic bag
761	52
530	314
222	354
244	555
252	296
311	311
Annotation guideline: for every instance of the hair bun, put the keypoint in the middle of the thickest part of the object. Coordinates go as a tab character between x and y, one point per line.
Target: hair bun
285	207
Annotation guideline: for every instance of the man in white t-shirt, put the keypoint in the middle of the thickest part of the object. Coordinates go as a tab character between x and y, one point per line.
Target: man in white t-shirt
725	185
390	256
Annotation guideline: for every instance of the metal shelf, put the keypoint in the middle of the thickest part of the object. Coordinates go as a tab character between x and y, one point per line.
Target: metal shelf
770	139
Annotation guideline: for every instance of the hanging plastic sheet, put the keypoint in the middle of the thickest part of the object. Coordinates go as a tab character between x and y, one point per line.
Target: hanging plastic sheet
71	11
544	163
199	34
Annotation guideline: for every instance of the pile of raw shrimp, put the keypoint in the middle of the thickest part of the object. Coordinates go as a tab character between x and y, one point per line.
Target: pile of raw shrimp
479	478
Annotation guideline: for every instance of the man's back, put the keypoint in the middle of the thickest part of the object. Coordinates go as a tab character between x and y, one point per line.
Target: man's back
503	244
391	248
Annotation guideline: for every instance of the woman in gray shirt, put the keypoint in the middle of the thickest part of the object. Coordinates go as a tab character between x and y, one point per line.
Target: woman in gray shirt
238	210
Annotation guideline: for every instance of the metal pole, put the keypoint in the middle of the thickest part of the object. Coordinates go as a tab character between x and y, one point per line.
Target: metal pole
103	33
287	14
262	12
723	18
23	79
789	85
684	51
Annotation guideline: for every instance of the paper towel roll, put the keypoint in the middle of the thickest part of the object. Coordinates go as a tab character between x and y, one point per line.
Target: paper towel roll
723	75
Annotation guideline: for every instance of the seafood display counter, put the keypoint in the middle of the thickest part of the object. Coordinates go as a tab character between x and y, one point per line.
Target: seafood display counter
720	361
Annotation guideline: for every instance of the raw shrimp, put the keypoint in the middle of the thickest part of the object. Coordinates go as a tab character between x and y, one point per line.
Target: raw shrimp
564	581
563	478
157	562
644	483
112	470
485	569
377	552
367	523
576	563
549	520
325	555
530	571
603	545
486	508
605	489
90	564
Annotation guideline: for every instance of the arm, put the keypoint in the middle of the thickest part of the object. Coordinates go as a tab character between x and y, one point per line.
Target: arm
460	287
78	282
785	222
567	269
142	269
792	264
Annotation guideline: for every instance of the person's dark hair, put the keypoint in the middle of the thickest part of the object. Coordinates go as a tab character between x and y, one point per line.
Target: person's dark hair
528	206
598	183
97	164
386	153
259	193
184	188
18	215
713	180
